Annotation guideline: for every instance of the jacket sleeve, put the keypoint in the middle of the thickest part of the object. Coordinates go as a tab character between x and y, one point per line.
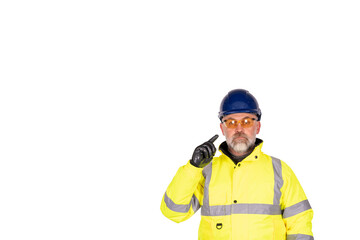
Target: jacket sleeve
184	195
297	212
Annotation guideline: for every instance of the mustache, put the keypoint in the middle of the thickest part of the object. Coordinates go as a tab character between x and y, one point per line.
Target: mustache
239	134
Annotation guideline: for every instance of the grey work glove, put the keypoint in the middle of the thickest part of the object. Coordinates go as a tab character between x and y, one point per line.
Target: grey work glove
204	153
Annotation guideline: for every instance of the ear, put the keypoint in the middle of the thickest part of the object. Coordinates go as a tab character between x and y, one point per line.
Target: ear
222	130
258	128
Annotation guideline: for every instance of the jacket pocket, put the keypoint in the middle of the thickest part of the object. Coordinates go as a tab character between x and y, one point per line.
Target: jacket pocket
217	227
221	227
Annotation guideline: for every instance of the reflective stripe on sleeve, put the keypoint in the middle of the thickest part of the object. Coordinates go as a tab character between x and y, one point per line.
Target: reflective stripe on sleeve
195	203
205	210
278	180
296	209
299	237
182	208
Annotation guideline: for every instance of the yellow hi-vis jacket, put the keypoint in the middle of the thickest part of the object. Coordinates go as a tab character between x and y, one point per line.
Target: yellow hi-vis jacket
260	198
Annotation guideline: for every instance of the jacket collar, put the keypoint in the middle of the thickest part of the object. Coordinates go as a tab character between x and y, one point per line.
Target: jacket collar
253	156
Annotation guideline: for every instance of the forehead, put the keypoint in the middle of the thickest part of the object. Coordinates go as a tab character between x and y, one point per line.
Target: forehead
239	116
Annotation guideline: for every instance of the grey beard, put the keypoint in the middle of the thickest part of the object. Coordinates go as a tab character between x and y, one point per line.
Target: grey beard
241	147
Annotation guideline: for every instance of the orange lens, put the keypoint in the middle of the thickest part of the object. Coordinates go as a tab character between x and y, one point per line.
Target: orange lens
231	123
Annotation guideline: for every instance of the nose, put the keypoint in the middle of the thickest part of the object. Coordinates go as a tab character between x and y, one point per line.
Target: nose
239	128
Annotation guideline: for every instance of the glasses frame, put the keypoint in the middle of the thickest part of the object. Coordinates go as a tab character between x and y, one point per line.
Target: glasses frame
238	122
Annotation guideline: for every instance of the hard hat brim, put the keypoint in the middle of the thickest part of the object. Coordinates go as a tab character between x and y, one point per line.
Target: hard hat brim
254	111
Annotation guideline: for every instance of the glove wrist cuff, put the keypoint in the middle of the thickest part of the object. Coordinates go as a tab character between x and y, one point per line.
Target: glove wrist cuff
193	163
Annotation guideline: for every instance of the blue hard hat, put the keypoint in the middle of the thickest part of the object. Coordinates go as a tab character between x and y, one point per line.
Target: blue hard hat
239	101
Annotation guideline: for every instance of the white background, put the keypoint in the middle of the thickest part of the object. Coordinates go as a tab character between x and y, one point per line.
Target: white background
102	101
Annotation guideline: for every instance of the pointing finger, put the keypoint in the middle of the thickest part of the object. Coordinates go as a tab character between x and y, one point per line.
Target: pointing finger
213	138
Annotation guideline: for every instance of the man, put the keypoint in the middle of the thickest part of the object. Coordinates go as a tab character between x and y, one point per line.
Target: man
243	194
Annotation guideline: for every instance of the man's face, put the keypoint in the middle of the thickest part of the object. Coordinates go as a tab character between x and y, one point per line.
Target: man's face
241	138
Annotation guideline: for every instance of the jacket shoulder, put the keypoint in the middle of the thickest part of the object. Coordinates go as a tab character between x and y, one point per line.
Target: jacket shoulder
285	168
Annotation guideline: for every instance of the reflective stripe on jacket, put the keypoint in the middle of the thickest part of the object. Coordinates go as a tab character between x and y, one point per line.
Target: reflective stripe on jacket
260	198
